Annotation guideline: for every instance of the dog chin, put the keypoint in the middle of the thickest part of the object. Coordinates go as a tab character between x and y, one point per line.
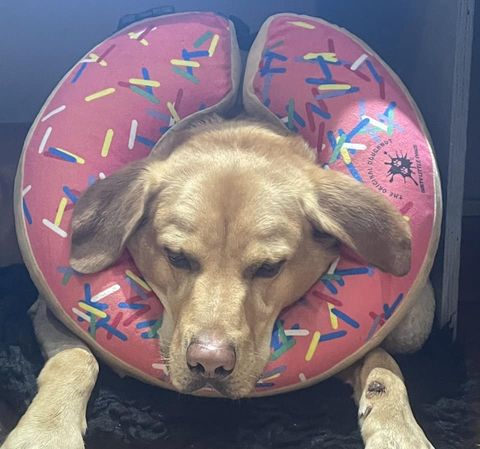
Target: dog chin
223	388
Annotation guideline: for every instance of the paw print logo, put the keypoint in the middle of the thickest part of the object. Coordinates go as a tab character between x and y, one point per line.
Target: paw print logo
400	165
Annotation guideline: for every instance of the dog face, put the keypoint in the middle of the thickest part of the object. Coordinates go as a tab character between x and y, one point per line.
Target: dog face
234	223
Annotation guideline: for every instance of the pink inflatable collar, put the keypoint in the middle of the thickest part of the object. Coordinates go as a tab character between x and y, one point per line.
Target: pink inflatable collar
113	106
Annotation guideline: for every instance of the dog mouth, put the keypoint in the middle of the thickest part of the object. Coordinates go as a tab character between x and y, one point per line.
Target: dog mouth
208	385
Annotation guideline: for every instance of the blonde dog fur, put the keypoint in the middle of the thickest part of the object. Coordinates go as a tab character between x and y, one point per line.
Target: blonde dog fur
230	222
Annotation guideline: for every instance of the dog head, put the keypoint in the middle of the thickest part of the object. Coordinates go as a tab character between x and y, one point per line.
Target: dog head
231	223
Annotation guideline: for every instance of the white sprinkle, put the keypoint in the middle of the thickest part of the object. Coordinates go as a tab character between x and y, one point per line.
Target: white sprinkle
302	377
104	293
133	134
101	175
81	314
161	366
297	332
26	190
359	62
44	140
354	146
54	228
376	123
55	111
87	61
333	267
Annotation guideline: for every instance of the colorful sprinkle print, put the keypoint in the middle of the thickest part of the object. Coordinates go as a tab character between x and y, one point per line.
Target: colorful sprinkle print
124	94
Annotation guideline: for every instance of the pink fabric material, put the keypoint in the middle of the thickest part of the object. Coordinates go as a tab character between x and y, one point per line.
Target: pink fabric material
105	117
114	307
344	102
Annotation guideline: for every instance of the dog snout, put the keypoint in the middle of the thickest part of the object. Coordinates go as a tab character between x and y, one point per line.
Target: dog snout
211	357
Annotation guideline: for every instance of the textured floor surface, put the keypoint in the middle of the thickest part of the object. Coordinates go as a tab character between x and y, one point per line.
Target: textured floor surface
443	383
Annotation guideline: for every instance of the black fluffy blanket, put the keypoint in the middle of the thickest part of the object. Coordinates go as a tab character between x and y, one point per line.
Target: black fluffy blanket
127	413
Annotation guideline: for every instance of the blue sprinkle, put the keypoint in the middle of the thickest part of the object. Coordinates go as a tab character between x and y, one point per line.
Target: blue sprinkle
145	141
331	139
320	112
346	318
26	212
72	197
273	55
325	69
111	329
390	107
352	271
144	324
66	157
267	70
146	76
330	286
298	119
87	292
187	55
79	72
158	115
332	336
392	308
148	335
354	172
357	129
138	290
134	306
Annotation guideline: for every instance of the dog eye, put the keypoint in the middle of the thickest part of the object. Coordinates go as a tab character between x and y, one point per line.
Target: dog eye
178	260
268	270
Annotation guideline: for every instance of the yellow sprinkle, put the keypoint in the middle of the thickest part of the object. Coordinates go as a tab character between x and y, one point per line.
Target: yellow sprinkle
133	35
79	159
185	63
107	142
333	318
213	45
345	155
329	57
140	82
301	24
93	57
100	94
144	42
313	346
173	112
139	281
60	211
94	310
406	218
334	87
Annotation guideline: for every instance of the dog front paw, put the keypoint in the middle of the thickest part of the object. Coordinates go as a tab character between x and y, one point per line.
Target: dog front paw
40	435
385	417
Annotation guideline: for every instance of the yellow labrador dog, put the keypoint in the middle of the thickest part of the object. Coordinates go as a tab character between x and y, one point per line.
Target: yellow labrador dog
230	222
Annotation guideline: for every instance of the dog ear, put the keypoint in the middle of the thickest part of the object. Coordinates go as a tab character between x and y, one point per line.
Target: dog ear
106	215
361	219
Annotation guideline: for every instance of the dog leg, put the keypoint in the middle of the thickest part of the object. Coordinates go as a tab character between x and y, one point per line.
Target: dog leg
56	417
414	329
384	414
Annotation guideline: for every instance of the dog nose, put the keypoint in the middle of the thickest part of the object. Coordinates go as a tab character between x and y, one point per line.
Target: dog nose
211	357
